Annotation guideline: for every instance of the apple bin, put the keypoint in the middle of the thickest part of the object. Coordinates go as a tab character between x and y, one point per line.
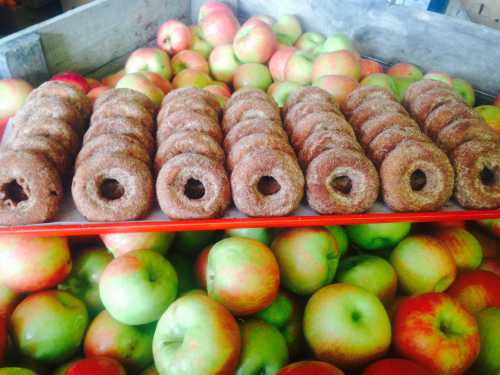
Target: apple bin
296	288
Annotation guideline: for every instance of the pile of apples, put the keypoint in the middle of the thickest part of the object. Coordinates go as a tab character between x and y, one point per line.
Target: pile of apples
371	299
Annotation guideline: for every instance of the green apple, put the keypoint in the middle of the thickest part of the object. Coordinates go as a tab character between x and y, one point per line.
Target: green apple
377	236
314	246
280	91
121	243
335	42
263	349
439	76
259	234
199	44
372	273
287	29
341	238
465	90
223	63
299	67
49	326
381	80
192	78
463	246
309	41
252	75
193	242
488	362
346	325
402	84
140	83
184	268
490	114
144	277
16	371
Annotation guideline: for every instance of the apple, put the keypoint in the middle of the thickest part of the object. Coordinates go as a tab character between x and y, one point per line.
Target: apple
193	242
372	273
463	246
488	322
74	79
252	75
280	91
130	345
476	290
340	235
221	90
278	61
16	371
150	60
61	369
266	19
377	236
192	78
465	90
263	349
299	67
423	265
335	42
13	94
310	367
491	265
93	83
201	267
8	300
492	226
196	321
309	41
344	63
199	44
189	59
287	29
143	276
402	85
370	67
96	365
150	371
219	28
185	272
173	36
490	114
497	100
139	83
96	92
315	246
395	366
259	234
382	80
3	337
160	82
83	281
403	70
211	6
123	243
49	326
340	87
439	76
29	264
243	275
255	42
223	63
435	331
112	80
346	325
489	244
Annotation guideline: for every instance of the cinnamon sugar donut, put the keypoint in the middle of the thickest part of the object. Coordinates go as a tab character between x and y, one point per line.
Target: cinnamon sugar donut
267	183
416	176
188	142
248	109
420	87
341	181
253	126
477	168
124	108
376	125
247	93
188	121
117	144
363	94
191	186
183	105
310	94
372	108
31	190
422	106
256	142
444	115
302	109
117	188
193	93
461	131
120	95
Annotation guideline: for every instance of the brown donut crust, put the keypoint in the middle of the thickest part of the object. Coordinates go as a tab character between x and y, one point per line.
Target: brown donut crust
372	108
397	169
271	163
174	177
420	87
248	109
461	131
341	163
184	105
253	126
188	121
310	94
422	106
41	184
124	108
134	177
188	142
444	115
302	109
125	95
248	93
193	93
363	94
373	127
469	160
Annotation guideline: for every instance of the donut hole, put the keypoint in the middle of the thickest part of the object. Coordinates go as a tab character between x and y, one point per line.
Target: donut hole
342	184
488	177
268	185
418	180
111	189
14	192
194	189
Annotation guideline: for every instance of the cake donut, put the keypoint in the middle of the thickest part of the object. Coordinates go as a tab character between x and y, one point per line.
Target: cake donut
430	100
123	95
188	121
195	94
461	131
247	93
191	106
310	94
419	88
301	109
248	109
133	110
363	94
444	115
373	127
374	107
253	126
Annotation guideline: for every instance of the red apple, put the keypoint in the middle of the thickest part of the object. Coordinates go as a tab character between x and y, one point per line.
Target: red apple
13	94
163	84
113	79
219	27
212	6
93	83
403	70
497	100
173	37
395	366
435	331
221	90
96	92
278	61
476	290
73	79
344	63
370	67
96	365
139	83
491	265
255	42
201	267
463	246
192	78
439	76
8	300
189	59
309	368
252	75
122	243
29	264
149	60
338	86
223	63
3	337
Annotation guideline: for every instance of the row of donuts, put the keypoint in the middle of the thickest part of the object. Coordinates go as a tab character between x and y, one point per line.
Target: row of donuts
266	179
192	181
339	177
45	137
415	174
471	145
113	179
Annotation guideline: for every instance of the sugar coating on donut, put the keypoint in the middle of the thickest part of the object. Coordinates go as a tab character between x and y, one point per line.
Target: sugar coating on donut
248	93
310	94
31	190
445	114
363	94
124	108
416	176
302	109
253	126
117	188
420	87
267	183
193	93
248	109
376	125
191	186
185	105
126	95
477	168
422	106
188	121
461	131
188	142
341	181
